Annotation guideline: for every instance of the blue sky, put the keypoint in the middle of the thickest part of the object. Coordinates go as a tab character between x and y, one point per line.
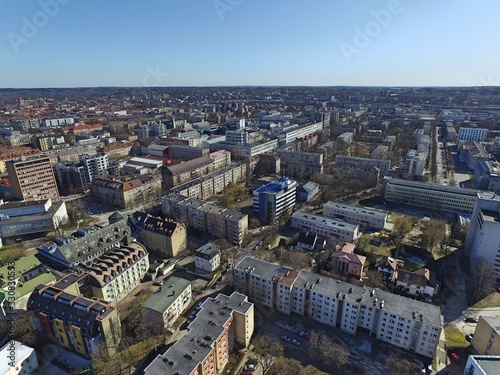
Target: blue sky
75	43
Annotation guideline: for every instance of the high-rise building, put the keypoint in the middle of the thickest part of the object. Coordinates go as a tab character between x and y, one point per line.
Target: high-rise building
95	166
33	179
275	198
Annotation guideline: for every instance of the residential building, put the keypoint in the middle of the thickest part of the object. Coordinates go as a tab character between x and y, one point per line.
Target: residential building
420	283
143	190
299	164
20	278
291	133
483	236
487	176
10	153
158	234
307	190
118	150
482	365
29	219
184	152
406	323
33	179
430	196
166	305
471	134
307	241
242	151
388	266
473	152
345	261
342	161
17	359
450	132
274	199
181	173
415	163
206	217
207	257
379	152
223	324
365	217
486	339
116	273
324	226
72	321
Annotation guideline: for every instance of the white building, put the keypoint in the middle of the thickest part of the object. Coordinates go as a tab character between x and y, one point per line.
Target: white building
429	196
324	226
403	322
482	365
17	359
472	134
290	135
275	198
415	163
366	217
207	257
483	236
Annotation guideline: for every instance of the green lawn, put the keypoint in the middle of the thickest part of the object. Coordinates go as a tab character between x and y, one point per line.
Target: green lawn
454	337
364	244
493	300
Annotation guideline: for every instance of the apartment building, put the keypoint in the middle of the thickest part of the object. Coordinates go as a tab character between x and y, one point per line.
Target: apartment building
181	173
223	324
10	153
482	365
242	151
301	163
83	246
23	362
342	161
72	321
325	226
290	134
450	132
486	340
206	217
118	150
275	198
158	234
487	176
471	134
185	152
430	196
363	216
213	183
397	320
116	273
33	179
207	257
421	282
473	152
483	235
415	163
166	305
143	190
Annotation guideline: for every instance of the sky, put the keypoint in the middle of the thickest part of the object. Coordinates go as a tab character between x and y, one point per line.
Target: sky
88	43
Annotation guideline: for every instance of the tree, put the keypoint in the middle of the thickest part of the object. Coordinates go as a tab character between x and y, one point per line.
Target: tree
398	366
374	279
25	329
288	366
267	348
403	225
483	280
327	351
434	233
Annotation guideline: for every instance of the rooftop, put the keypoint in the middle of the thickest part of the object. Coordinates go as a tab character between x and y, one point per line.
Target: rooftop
170	291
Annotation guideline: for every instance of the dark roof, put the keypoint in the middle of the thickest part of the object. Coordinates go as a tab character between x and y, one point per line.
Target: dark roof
307	238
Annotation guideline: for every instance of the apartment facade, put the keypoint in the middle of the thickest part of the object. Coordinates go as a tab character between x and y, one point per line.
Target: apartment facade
363	216
272	200
397	320
23	362
471	134
486	340
223	323
33	179
362	163
184	152
74	322
324	226
430	196
181	173
207	257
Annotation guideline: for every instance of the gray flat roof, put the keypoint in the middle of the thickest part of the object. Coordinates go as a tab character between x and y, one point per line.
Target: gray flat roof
324	220
356	209
429	186
170	291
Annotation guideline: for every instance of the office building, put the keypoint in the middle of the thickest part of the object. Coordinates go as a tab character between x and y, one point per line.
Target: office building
483	235
471	134
223	324
365	217
72	321
472	153
275	198
406	323
487	176
33	179
324	226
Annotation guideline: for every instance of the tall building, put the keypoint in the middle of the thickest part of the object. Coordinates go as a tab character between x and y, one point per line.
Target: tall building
95	166
486	339
483	236
275	198
472	134
33	179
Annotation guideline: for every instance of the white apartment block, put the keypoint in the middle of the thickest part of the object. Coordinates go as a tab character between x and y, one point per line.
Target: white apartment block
365	217
207	257
363	163
472	134
483	236
400	321
429	196
325	226
17	359
290	135
415	163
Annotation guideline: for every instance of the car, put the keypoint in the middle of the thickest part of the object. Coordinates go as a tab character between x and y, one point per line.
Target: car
158	282
192	315
455	357
286	338
469	337
470	320
304	333
296	342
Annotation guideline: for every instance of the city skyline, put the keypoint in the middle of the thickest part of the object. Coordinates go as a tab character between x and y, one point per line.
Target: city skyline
64	43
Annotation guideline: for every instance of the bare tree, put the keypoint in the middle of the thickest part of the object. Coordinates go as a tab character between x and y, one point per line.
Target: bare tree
483	280
267	349
328	351
434	233
398	366
288	366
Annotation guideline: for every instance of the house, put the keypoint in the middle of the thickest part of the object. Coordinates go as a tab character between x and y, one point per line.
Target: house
422	282
344	260
207	257
388	266
307	241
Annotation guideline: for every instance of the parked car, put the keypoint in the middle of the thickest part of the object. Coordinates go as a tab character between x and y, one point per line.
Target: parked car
469	337
286	338
455	357
296	342
304	333
470	320
158	282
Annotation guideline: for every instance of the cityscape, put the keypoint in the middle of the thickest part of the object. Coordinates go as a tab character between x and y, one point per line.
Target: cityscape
250	188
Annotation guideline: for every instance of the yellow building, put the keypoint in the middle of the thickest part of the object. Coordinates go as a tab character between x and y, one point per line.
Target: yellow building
486	338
